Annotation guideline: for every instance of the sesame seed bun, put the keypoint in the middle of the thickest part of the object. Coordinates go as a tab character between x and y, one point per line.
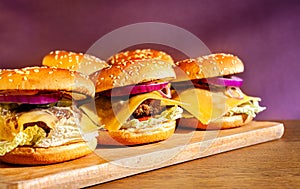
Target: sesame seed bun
209	66
212	65
45	79
126	73
140	54
80	62
125	137
42	156
132	72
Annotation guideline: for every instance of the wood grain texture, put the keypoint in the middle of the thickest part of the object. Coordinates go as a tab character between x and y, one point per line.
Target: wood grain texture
274	164
108	164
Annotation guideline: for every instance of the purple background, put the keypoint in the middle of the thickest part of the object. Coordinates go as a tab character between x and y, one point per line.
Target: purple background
265	34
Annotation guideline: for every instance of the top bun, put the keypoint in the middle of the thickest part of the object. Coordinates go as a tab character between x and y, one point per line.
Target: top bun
73	61
45	79
132	72
208	66
140	54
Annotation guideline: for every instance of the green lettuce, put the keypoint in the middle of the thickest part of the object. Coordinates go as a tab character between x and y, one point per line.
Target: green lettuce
30	136
172	113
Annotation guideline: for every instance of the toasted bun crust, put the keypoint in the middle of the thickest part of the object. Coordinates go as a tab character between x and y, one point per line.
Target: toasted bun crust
212	65
45	79
132	72
226	122
140	54
80	62
125	137
43	156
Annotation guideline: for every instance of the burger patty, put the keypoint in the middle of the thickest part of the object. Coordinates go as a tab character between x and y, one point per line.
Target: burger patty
149	107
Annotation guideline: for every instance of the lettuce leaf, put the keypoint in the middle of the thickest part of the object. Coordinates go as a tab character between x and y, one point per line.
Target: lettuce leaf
172	113
29	136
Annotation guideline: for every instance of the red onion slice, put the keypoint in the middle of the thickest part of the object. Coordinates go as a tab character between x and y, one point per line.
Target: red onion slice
168	92
136	89
30	99
234	92
232	81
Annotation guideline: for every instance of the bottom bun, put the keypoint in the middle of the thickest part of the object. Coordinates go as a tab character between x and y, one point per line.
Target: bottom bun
226	122
126	137
42	156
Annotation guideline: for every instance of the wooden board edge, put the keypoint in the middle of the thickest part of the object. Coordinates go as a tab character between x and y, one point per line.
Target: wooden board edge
190	152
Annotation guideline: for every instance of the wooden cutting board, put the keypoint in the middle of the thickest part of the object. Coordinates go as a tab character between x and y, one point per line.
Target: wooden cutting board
110	163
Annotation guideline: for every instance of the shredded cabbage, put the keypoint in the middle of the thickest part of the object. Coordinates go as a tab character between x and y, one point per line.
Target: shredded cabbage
251	108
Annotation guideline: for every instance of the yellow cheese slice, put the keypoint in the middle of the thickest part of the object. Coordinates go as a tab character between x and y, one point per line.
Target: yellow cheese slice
207	105
113	113
36	116
89	120
9	131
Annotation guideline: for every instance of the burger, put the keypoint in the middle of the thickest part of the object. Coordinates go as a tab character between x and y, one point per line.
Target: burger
84	63
41	119
140	54
211	93
130	97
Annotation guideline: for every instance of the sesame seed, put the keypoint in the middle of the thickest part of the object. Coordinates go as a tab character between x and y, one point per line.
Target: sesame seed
50	72
19	72
9	75
10	80
36	70
56	57
25	78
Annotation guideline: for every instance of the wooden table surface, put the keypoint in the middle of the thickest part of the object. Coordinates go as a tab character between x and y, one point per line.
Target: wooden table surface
274	164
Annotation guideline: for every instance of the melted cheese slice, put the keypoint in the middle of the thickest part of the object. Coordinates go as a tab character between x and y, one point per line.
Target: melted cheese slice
114	113
36	116
207	105
90	120
8	131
